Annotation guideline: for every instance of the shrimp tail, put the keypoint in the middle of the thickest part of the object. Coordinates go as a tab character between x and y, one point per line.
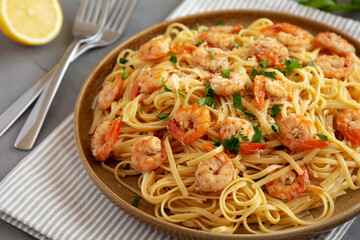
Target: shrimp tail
306	144
176	132
221	156
350	133
182	49
249	148
135	90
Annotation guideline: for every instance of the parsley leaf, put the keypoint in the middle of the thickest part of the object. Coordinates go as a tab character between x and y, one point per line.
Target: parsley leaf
180	93
235	44
225	73
132	66
173	58
123	60
257	137
254	72
299	159
217	143
232	144
209	98
117	115
274	110
244	137
291	64
310	63
219	23
322	137
199	43
263	63
275	128
124	75
142	108
212	54
135	202
165	87
238	105
162	116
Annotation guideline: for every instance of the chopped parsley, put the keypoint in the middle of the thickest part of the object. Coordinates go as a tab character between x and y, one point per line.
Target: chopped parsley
232	144
275	128
135	202
209	98
257	137
212	54
124	75
310	63
197	26
244	137
132	66
162	116
274	110
165	87
299	159
238	105
181	95
123	60
246	88
199	43
117	115
291	64
225	73
217	143
173	58
263	63
254	72
322	137
235	44
142	108
219	23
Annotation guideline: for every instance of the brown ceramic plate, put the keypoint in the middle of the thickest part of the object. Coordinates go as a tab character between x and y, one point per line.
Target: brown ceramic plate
346	206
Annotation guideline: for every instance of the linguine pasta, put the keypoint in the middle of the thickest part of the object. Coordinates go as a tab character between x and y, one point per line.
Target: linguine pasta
245	201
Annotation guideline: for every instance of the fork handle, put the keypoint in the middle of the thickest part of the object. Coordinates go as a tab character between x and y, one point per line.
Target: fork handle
34	122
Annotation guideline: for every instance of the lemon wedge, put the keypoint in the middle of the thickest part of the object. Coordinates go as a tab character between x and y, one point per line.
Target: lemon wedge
31	22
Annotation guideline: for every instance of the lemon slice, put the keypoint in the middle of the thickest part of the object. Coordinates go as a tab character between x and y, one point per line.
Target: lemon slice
30	22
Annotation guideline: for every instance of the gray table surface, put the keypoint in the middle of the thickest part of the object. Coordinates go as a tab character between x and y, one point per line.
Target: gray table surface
21	67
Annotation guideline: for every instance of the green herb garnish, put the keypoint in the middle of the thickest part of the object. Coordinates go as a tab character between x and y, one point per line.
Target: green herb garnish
142	108
244	137
275	128
322	137
232	144
237	104
117	115
274	110
299	159
123	60
310	63
124	75
263	63
257	137
225	73
209	98
199	43
165	87
235	44
254	72
219	23
212	54
217	143
135	202
162	116
291	64
132	66
173	58
180	93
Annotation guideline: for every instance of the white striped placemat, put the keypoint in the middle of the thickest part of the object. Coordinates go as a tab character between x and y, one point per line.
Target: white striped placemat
49	194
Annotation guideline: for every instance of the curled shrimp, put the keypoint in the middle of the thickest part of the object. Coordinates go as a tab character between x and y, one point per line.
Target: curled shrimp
265	86
226	28
149	81
291	36
215	173
298	133
271	50
148	153
109	93
243	129
189	123
210	58
183	49
104	139
335	43
348	123
154	49
220	36
335	66
227	86
289	186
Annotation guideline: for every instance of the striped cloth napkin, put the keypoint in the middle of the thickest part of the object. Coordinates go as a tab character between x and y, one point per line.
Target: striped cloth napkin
49	194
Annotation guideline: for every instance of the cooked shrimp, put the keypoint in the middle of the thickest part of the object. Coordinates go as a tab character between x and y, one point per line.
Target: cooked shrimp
271	50
226	28
335	43
189	123
289	186
210	58
149	81
148	153
291	36
348	123
265	86
109	93
183	49
104	139
298	133
335	66
227	86
218	39
215	173
154	49
240	127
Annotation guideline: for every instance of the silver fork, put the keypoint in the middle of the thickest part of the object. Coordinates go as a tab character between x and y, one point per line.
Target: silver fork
119	16
88	26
